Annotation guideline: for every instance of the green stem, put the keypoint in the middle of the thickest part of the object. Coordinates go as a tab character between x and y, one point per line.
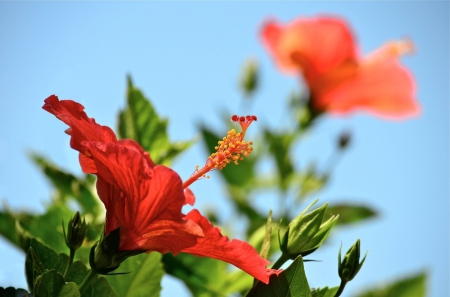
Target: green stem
72	255
341	288
87	280
283	258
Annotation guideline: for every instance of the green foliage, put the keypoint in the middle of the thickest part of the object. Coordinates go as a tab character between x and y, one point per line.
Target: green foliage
139	121
350	213
324	292
8	224
69	290
291	282
265	246
310	181
413	286
48	284
279	147
143	279
203	276
69	186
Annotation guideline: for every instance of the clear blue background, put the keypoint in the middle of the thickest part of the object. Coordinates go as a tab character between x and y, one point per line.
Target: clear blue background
186	57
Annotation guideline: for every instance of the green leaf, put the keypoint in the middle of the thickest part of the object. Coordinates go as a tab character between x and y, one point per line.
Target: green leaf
413	286
69	290
8	224
203	276
350	213
291	282
40	258
69	186
139	121
324	292
311	181
279	147
265	247
52	234
146	272
99	286
48	284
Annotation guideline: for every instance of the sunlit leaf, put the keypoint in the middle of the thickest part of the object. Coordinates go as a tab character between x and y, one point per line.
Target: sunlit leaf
69	290
289	283
143	279
413	286
139	121
324	292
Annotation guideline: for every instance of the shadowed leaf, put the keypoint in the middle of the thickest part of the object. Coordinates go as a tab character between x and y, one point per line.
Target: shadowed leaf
49	284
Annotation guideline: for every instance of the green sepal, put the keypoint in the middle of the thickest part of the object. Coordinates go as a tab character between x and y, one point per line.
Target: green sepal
306	232
105	255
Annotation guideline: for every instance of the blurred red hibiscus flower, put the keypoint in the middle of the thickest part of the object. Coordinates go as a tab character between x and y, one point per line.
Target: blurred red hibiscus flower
324	52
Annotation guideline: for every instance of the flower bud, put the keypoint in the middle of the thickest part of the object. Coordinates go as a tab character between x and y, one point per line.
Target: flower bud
105	255
76	232
350	266
344	140
249	77
307	232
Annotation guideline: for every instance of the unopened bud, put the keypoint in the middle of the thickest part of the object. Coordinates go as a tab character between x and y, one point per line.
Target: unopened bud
307	232
249	77
76	232
344	140
350	265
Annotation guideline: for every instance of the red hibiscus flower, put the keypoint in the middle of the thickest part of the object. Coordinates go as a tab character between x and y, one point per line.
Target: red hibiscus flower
323	51
144	200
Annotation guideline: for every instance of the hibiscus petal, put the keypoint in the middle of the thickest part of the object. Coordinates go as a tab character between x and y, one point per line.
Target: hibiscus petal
313	46
143	196
236	252
82	128
384	88
163	236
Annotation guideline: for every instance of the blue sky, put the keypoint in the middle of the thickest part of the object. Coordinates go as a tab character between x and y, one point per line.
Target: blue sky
186	57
